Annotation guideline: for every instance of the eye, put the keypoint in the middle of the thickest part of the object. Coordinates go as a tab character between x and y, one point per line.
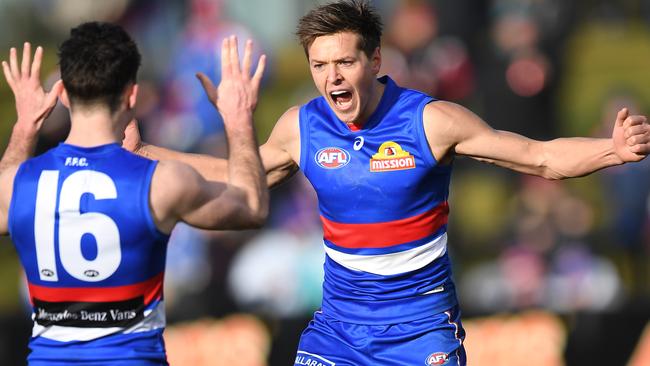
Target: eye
345	63
317	66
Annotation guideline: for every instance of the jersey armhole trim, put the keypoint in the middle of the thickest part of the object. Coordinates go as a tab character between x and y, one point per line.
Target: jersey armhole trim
12	203
304	138
427	154
146	201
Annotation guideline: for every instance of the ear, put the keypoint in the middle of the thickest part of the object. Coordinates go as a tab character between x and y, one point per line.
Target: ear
132	96
375	61
65	99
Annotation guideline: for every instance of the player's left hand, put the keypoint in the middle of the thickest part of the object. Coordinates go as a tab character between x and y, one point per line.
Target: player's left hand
33	104
631	136
238	90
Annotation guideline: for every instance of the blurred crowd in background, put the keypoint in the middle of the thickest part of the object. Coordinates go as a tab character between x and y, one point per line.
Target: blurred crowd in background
575	249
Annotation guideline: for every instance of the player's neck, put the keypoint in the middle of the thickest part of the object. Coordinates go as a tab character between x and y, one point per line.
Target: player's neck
377	92
92	129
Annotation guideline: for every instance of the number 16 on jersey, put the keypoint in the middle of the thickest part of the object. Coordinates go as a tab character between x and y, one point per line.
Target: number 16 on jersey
74	225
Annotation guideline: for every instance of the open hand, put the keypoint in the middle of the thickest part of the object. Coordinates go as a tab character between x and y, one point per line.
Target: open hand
238	91
631	136
33	104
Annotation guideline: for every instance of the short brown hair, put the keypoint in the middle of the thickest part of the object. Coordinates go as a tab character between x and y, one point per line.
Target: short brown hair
356	16
97	63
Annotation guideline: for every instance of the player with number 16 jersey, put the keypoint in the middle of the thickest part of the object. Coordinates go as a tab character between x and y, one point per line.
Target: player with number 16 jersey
91	220
94	259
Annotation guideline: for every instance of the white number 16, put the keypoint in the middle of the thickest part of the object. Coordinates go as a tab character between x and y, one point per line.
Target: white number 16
73	225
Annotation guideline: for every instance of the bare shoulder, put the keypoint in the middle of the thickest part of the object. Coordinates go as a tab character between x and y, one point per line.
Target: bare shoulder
285	137
7	182
447	125
6	191
287	128
442	113
172	186
171	174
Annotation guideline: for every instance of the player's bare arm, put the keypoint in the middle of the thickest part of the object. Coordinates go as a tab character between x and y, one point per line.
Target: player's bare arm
280	154
33	105
6	189
241	202
210	167
451	129
180	193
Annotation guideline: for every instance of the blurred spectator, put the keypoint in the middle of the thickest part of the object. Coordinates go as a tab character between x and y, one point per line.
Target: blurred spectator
187	115
549	262
518	65
418	58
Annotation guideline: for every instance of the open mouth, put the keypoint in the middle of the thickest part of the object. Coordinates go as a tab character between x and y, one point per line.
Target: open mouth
341	98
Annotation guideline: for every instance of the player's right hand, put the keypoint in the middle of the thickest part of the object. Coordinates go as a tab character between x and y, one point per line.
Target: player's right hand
33	104
631	136
132	140
237	92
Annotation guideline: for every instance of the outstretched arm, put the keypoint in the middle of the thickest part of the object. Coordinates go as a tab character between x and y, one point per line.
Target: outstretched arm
452	129
279	154
179	193
33	105
210	167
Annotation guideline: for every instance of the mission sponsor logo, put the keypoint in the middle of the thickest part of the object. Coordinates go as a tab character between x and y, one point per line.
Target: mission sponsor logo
390	156
438	358
332	157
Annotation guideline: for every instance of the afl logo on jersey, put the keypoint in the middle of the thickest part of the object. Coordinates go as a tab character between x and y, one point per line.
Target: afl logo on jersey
438	358
47	272
332	157
91	273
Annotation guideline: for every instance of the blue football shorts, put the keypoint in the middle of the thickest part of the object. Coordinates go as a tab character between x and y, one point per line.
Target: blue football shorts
436	340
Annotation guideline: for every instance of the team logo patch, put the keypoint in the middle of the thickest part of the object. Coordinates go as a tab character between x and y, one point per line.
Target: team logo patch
390	156
309	359
332	157
438	358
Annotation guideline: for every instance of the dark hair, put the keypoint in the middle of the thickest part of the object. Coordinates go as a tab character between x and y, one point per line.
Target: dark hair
97	63
356	16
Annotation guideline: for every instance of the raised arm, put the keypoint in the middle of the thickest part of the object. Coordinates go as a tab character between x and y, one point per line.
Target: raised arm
210	167
452	129
33	105
178	193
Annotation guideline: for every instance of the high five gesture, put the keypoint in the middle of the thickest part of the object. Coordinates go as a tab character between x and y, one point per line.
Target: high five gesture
238	90
33	104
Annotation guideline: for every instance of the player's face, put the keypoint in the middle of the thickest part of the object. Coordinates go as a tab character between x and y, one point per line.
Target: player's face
344	75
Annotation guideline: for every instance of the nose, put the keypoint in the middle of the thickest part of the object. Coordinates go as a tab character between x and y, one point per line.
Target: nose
333	75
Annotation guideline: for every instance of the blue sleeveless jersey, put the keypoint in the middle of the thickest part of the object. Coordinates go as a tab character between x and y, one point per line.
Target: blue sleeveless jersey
93	257
383	204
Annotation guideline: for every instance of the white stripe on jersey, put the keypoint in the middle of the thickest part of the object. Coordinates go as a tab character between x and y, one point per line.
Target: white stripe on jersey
392	263
153	319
